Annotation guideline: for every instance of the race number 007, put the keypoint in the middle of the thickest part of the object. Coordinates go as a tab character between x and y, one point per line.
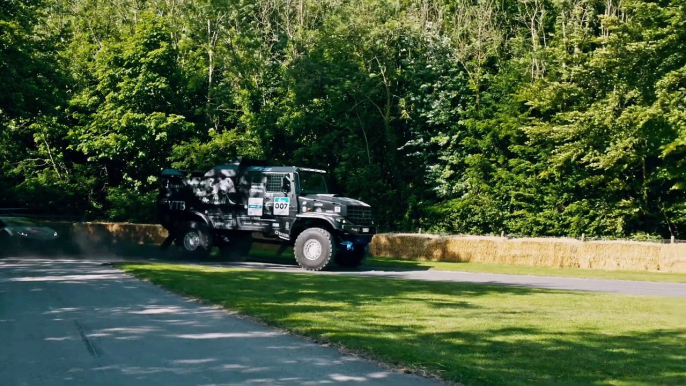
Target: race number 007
281	206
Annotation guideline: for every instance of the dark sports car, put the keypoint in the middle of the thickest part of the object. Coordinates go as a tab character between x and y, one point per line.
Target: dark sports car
24	234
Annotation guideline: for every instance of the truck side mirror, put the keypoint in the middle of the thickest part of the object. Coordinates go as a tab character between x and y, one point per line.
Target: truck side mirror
286	185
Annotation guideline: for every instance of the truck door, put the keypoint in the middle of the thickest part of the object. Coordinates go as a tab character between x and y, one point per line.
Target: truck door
251	215
279	201
268	207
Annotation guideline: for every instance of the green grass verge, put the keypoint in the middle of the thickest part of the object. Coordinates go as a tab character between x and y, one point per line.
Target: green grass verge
474	334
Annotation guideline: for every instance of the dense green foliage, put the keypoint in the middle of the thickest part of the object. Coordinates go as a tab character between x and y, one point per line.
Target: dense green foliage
537	117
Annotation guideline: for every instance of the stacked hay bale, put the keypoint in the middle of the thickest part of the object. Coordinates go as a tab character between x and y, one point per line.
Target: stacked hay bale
538	252
116	237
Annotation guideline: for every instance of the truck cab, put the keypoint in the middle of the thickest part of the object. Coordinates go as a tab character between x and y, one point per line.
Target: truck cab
224	206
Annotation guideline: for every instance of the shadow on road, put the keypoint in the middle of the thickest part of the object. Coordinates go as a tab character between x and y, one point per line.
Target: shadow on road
259	254
78	322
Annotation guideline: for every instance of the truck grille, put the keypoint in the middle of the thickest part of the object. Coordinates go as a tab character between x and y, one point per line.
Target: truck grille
360	215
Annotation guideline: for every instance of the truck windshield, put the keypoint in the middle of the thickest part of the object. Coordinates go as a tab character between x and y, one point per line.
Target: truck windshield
313	183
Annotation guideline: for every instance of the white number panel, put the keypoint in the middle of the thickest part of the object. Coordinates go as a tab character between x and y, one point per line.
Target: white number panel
255	206
281	206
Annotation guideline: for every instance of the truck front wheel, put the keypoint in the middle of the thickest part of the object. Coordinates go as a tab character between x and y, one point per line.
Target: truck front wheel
314	249
194	239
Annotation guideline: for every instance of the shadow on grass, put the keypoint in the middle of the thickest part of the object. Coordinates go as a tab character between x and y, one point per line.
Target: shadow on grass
528	356
419	324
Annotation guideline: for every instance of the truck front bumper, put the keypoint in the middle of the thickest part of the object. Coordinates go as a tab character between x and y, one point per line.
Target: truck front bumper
358	230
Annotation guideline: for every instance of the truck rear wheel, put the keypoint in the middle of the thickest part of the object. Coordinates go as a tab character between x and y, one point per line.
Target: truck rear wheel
350	259
194	239
314	249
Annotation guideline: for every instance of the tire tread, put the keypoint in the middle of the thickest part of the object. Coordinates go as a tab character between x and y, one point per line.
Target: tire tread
332	249
202	251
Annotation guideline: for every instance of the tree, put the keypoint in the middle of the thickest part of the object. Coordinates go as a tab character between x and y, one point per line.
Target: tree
128	117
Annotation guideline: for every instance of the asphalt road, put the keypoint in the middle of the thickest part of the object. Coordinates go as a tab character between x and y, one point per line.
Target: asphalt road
558	283
77	322
628	287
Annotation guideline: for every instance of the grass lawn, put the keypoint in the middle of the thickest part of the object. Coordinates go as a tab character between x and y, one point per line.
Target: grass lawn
474	334
382	262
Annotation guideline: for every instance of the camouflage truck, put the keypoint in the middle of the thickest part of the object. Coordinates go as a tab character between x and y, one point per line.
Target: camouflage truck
226	205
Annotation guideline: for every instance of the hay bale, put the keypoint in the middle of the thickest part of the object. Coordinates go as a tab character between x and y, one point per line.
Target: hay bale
140	234
403	246
673	258
469	248
537	252
544	252
113	237
407	246
621	255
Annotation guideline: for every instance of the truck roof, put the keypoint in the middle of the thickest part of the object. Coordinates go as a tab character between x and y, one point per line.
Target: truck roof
283	169
233	168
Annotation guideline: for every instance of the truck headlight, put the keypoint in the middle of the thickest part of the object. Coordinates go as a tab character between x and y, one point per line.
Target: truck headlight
341	220
20	233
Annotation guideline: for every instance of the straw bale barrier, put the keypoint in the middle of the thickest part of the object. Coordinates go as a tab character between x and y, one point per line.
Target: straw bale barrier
103	237
539	252
118	233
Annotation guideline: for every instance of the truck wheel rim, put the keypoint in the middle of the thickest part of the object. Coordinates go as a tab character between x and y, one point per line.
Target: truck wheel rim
312	250
191	241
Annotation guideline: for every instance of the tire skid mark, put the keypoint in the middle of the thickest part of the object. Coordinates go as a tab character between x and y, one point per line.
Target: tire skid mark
90	346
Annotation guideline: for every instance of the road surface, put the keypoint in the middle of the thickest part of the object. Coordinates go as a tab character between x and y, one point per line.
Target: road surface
628	287
77	322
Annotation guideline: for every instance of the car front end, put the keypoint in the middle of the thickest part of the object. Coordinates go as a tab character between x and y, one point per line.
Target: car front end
20	235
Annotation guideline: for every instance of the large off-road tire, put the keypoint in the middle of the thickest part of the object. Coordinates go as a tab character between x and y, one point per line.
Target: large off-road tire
194	240
238	247
350	259
314	249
